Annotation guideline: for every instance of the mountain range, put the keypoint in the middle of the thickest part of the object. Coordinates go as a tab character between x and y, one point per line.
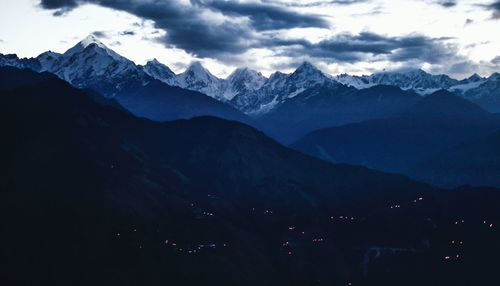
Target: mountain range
91	194
91	64
331	117
432	127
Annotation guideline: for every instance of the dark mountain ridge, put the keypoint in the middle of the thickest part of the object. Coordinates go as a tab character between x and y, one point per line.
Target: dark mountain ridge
326	106
475	163
93	195
433	125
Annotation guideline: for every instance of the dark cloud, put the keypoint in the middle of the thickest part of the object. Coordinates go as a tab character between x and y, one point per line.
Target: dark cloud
100	34
369	47
127	33
317	3
473	45
496	60
494	6
447	3
266	16
246	25
465	67
62	6
59	4
188	27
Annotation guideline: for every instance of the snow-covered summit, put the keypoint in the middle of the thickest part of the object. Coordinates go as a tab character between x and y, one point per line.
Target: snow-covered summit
12	60
158	71
281	87
242	80
198	78
47	60
92	43
412	79
307	75
91	64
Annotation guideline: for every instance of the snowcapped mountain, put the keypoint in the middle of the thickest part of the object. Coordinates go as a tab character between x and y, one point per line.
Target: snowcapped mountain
91	64
280	87
198	78
246	89
158	71
242	80
485	93
305	76
12	60
47	60
416	80
464	85
358	82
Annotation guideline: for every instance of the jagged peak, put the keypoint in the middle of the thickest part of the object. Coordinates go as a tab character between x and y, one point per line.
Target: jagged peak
241	72
155	62
91	39
196	65
198	70
494	76
474	77
158	69
10	56
48	53
277	75
307	66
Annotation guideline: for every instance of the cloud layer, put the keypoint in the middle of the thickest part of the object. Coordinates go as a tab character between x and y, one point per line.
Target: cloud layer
226	30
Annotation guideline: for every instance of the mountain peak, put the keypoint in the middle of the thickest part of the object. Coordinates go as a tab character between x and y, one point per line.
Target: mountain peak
240	71
307	75
277	75
243	80
307	66
48	54
196	66
244	72
494	76
198	71
309	71
91	39
475	77
158	70
47	60
154	61
91	44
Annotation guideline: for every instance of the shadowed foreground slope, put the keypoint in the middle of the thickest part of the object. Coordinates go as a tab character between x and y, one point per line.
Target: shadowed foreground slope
93	195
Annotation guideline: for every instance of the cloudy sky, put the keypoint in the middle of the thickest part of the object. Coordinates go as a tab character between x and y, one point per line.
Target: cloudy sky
457	37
